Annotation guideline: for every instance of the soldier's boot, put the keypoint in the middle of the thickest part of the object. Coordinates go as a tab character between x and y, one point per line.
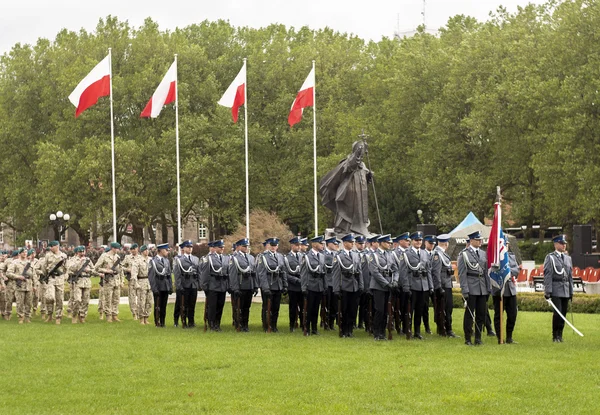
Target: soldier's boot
33	311
101	316
109	319
82	319
74	320
27	320
135	317
69	315
116	319
49	318
58	321
43	315
21	319
143	321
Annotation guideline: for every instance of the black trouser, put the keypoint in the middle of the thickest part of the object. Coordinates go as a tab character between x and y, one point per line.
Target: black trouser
439	311
245	303
216	302
160	307
332	307
558	324
190	296
296	304
426	310
449	307
380	300
510	306
156	305
349	310
177	311
488	319
312	311
275	303
477	304
365	308
418	305
405	312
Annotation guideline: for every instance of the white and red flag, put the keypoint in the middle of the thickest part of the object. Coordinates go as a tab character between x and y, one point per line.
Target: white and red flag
95	85
164	94
235	96
305	98
497	253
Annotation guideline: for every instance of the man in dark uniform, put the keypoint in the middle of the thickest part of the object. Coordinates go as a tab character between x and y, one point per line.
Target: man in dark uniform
304	245
509	299
331	252
347	284
415	272
475	287
363	309
312	277
384	280
441	274
243	281
430	242
159	276
403	313
187	280
273	283
215	283
292	267
558	283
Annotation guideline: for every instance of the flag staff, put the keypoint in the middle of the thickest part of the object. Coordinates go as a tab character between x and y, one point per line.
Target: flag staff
112	150
315	153
177	151
246	155
499	201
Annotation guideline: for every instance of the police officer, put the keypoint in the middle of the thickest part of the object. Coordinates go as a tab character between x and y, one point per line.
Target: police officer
384	280
304	246
243	281
365	296
292	267
509	299
404	293
558	283
110	265
80	271
430	242
161	283
331	251
348	284
441	273
273	283
215	283
186	268
475	287
312	276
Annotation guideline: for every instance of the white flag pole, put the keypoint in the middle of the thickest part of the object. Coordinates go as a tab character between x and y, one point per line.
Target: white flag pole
246	151
177	151
112	149
315	152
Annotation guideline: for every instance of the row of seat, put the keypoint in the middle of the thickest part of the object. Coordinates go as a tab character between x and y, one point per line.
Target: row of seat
589	274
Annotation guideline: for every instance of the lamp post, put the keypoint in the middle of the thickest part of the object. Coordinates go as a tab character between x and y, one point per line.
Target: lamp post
420	215
59	223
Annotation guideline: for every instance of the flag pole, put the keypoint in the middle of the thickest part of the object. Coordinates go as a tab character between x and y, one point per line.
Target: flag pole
246	152
112	149
498	259
315	152
177	151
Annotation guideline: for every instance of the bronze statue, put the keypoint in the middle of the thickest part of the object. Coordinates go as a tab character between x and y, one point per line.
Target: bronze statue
344	190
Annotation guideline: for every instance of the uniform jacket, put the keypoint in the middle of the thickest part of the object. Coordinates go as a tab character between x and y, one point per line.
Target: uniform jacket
159	275
272	272
50	260
383	270
312	272
242	272
473	273
415	270
16	269
364	266
293	263
441	269
329	256
139	272
106	262
215	273
187	272
347	272
558	275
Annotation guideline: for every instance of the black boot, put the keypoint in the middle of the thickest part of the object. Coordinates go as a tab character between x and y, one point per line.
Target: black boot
468	341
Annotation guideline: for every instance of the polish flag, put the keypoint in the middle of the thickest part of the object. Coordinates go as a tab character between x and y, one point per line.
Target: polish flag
234	97
164	94
95	85
303	99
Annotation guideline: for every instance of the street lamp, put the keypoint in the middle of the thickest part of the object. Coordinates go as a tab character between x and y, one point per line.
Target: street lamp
59	222
420	215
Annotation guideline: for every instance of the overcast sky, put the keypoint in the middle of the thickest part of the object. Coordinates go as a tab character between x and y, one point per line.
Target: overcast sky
26	20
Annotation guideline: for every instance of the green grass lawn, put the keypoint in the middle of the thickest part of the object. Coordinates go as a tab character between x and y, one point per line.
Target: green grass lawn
101	368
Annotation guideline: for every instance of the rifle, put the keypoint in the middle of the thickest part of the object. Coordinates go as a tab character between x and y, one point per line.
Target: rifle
75	277
205	311
52	271
397	316
390	317
305	328
238	312
268	314
115	265
340	331
408	317
24	274
370	314
324	312
182	311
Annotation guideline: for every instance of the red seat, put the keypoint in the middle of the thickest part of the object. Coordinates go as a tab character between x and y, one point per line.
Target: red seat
593	277
587	273
522	277
577	272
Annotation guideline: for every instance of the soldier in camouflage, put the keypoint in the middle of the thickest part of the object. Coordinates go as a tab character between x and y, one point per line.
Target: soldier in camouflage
110	266
21	273
80	271
131	286
55	271
139	276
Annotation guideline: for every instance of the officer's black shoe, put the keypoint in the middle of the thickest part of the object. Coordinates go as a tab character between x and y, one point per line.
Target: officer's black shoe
478	342
291	329
175	325
360	326
314	333
275	330
418	336
560	339
428	331
453	335
555	340
468	343
491	333
511	341
350	335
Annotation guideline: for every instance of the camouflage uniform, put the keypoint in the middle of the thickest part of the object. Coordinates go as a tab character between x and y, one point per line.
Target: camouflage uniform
23	289
55	287
101	291
35	296
139	277
81	287
71	289
131	285
9	291
112	285
2	284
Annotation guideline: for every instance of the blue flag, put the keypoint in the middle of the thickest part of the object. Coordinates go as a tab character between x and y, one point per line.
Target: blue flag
499	274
